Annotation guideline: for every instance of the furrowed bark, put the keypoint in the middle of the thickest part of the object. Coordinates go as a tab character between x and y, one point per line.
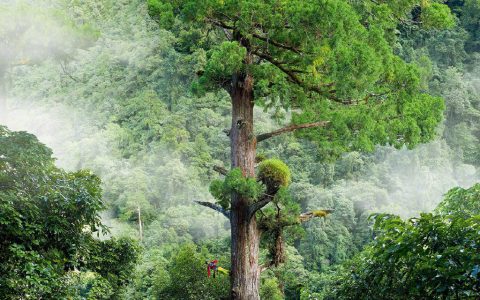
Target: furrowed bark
245	274
290	128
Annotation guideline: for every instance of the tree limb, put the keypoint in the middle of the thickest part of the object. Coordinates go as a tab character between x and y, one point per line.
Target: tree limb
290	73
277	44
322	90
215	207
290	128
254	207
227	34
220	24
64	69
220	170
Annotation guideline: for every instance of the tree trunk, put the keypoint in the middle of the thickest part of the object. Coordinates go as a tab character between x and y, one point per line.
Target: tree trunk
245	274
140	225
279	250
3	98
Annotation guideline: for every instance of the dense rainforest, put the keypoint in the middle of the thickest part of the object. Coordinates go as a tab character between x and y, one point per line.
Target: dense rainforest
325	149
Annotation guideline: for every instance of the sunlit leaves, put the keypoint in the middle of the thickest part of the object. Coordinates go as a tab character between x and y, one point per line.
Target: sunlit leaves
309	56
47	218
437	15
235	182
431	255
461	201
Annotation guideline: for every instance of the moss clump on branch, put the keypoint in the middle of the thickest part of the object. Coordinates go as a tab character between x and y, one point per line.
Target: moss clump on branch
274	173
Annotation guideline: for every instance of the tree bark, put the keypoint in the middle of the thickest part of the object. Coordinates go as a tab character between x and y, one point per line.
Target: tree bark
245	274
140	224
279	250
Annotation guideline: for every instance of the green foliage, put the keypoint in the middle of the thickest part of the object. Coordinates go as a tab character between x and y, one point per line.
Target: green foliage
100	290
274	172
270	290
462	114
467	11
321	57
142	119
461	201
223	60
235	182
434	256
437	15
47	219
162	11
154	144
284	211
113	260
181	274
188	277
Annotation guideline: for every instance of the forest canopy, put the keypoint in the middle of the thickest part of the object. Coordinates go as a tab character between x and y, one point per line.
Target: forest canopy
366	115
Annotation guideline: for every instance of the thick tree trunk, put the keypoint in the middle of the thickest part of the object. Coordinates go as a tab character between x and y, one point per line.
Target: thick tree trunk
245	274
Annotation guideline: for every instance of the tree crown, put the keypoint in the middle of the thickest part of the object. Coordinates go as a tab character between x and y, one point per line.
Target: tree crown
327	60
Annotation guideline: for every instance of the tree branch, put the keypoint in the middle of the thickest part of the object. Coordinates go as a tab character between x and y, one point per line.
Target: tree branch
290	128
277	44
64	69
290	73
220	170
228	34
220	23
254	207
322	90
215	207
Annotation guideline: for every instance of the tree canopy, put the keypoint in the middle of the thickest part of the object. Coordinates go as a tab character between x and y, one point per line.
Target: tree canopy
327	61
434	255
47	219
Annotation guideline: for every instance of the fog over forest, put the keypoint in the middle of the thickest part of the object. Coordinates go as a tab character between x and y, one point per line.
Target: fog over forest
108	87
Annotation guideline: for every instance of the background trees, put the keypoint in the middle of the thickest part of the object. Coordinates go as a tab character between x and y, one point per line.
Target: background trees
434	255
134	66
47	220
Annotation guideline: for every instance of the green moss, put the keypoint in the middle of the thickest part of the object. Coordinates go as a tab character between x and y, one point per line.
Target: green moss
274	172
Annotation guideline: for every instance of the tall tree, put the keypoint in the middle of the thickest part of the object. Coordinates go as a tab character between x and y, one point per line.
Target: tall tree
330	61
